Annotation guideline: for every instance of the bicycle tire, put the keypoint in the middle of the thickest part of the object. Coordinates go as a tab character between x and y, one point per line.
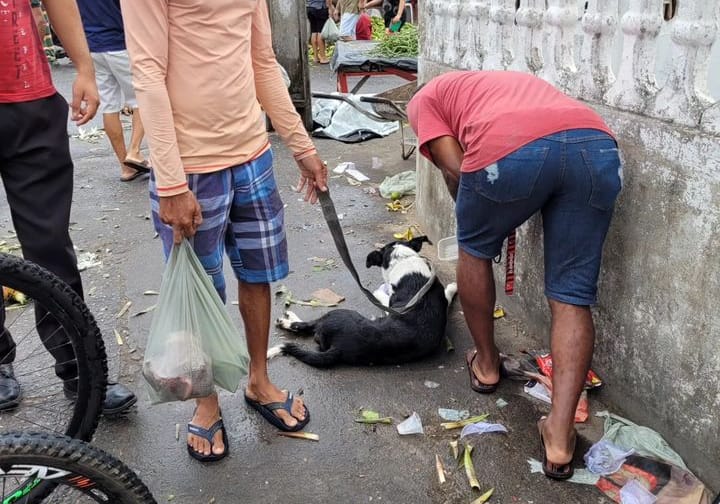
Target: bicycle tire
92	471
85	337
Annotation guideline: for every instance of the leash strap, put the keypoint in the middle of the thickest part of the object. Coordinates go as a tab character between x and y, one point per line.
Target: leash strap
328	209
510	264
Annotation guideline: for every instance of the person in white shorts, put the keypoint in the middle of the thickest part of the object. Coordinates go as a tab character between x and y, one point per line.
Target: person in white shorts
103	24
348	12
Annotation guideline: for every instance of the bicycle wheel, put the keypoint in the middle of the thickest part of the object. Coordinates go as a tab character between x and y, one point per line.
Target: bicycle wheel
80	472
47	403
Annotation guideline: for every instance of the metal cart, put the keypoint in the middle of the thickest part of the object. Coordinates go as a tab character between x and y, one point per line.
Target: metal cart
387	106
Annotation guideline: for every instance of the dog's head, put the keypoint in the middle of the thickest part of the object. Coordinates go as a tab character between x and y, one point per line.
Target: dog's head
395	251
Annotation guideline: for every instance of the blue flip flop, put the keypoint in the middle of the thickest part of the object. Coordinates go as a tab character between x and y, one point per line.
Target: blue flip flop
209	434
268	412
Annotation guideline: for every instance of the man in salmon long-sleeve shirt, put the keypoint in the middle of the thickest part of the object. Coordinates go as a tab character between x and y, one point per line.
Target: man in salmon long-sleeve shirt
201	72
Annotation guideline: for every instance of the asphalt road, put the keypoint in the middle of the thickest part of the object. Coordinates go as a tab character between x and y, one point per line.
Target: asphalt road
352	462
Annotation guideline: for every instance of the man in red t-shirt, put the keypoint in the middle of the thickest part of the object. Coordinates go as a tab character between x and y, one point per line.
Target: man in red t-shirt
37	170
509	145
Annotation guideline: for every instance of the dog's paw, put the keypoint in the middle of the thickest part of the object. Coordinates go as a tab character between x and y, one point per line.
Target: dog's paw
450	292
275	351
286	321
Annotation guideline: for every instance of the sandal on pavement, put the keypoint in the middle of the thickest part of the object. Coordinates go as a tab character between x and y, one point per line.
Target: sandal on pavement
208	434
268	412
132	177
141	166
475	384
551	469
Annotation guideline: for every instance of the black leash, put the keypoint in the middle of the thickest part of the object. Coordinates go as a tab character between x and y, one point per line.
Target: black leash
328	209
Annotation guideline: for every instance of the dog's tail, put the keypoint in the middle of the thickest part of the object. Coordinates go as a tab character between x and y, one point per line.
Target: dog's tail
312	357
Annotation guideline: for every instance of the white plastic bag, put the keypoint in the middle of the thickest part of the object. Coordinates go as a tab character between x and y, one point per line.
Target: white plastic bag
193	345
330	32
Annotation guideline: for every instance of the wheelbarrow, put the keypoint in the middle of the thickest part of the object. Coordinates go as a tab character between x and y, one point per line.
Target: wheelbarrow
387	106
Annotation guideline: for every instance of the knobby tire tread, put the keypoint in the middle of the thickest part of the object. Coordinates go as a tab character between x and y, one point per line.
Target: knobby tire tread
68	307
109	474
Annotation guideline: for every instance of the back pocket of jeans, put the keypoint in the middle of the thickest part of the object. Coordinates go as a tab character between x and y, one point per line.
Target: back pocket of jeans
512	178
604	167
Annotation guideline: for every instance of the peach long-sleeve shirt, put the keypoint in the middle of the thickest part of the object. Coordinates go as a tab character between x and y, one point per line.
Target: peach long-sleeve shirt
201	71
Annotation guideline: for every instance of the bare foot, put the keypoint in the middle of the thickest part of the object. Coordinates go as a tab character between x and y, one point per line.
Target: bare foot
206	414
268	393
559	441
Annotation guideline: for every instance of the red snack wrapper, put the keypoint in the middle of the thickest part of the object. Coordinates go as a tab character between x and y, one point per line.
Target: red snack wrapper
544	362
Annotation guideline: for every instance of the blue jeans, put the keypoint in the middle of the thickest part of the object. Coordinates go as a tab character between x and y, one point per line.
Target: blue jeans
572	178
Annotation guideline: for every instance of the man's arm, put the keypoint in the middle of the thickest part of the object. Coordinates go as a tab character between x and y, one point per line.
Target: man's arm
274	98
146	35
401	10
447	155
65	19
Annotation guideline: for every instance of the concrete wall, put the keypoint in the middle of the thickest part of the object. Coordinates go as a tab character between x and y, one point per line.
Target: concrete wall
658	341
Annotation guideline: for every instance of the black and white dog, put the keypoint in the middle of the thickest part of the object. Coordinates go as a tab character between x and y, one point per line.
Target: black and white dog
346	337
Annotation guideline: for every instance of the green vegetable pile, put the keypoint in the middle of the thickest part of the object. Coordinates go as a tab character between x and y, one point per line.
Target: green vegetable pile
378	28
396	45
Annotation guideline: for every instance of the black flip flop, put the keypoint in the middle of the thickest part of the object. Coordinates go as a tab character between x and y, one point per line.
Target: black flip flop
132	177
268	413
552	470
475	384
209	434
140	166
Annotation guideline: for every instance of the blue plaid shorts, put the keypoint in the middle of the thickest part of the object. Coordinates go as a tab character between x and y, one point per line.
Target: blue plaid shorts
243	216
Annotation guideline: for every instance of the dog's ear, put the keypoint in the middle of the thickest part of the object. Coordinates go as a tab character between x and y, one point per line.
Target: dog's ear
374	258
416	243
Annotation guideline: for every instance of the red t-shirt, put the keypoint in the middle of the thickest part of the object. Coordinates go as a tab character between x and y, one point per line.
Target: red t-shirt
493	113
24	69
363	28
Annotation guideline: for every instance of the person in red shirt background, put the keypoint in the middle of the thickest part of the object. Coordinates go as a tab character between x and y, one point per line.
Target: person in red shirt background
363	28
509	145
37	170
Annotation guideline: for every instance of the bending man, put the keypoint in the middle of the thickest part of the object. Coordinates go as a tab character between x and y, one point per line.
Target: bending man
509	145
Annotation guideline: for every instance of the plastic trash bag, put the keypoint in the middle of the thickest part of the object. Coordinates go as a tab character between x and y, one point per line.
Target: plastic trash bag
669	484
330	32
605	458
193	345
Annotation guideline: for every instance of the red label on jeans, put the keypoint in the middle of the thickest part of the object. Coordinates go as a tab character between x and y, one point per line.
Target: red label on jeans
510	265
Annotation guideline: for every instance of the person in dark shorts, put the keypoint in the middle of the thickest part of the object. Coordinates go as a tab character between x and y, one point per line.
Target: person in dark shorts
393	13
318	12
510	145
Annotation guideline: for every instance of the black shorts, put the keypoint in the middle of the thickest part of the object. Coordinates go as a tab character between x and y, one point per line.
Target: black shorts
317	19
390	11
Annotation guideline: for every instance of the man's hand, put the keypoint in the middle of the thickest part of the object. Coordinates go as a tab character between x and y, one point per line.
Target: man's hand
313	177
183	213
85	98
